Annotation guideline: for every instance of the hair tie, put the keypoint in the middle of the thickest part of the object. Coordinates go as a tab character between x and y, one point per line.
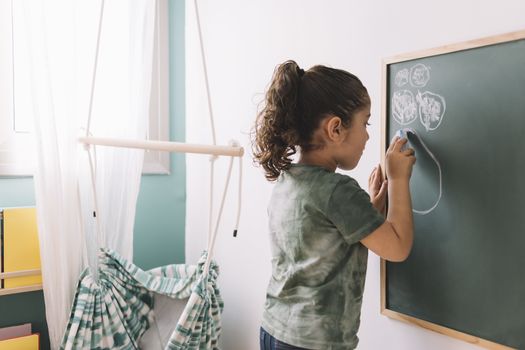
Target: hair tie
301	72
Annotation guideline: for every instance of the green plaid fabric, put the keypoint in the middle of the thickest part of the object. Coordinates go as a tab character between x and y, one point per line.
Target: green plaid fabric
116	311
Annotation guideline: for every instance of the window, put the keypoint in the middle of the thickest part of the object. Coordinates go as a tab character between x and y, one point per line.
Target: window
16	140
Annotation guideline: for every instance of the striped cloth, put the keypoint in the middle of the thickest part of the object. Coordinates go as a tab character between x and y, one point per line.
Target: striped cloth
116	311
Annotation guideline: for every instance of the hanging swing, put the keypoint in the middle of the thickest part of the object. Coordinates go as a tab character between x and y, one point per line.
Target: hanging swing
121	306
116	311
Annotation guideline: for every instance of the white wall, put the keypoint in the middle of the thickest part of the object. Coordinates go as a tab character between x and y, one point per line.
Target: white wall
244	41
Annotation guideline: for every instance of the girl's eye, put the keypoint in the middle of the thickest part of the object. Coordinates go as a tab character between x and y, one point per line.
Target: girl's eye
368	124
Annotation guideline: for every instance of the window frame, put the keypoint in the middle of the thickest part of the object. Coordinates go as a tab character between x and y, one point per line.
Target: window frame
14	163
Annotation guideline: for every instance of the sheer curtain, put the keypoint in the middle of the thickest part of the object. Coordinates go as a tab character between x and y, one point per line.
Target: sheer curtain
61	41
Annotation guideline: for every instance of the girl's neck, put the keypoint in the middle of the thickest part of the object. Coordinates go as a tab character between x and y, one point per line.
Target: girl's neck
318	159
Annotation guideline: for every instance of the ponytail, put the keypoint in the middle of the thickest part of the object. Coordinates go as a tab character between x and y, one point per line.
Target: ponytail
295	104
277	126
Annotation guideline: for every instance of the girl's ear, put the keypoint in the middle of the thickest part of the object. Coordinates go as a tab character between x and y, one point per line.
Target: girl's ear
334	129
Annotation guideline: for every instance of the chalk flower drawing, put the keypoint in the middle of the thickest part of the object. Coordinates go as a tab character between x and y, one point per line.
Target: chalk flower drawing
419	75
402	77
404	107
431	109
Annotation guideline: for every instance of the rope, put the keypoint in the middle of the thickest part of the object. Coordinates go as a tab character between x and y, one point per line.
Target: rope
211	243
212	119
94	77
210	213
204	67
85	259
212	235
239	194
101	238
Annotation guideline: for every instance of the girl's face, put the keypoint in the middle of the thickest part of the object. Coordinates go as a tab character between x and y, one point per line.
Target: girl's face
353	145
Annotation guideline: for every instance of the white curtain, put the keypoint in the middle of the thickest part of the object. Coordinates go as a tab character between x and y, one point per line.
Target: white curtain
61	40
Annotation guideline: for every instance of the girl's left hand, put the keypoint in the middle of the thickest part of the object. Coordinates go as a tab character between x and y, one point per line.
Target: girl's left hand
377	187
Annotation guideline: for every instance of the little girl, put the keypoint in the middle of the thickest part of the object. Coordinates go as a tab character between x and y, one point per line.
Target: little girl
321	222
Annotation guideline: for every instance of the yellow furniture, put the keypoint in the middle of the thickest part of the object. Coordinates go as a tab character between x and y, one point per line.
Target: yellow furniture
21	250
29	342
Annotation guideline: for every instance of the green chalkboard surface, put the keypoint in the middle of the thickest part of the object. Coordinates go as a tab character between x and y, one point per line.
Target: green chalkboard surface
466	272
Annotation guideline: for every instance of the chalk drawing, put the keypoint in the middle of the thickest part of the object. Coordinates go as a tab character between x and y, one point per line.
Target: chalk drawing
404	107
431	109
419	75
402	77
407	131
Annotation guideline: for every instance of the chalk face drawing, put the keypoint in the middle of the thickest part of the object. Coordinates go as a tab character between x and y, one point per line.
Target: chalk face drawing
404	107
402	77
431	109
428	106
419	75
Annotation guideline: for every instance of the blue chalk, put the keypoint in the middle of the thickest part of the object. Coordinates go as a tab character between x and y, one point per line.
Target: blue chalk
403	133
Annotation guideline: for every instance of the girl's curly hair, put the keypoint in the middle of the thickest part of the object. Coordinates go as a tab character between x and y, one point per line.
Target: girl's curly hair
295	104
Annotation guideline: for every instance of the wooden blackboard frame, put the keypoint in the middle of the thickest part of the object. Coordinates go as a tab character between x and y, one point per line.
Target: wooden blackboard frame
502	38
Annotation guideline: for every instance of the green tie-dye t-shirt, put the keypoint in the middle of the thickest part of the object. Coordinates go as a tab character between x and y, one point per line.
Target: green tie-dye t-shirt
316	219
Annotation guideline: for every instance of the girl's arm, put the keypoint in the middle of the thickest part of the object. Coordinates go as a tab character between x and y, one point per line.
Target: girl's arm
393	240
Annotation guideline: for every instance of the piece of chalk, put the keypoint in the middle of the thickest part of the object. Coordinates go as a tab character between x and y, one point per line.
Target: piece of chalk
403	133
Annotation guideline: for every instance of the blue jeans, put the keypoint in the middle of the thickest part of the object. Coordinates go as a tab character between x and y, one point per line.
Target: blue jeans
267	342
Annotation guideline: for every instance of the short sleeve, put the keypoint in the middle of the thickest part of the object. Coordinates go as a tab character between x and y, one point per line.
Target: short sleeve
350	210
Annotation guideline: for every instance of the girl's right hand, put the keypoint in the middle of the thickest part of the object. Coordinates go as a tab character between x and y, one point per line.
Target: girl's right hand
399	163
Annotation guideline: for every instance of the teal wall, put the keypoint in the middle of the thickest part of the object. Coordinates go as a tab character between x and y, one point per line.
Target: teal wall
161	209
160	220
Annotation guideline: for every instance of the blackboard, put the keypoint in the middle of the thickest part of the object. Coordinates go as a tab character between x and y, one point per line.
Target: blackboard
465	276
